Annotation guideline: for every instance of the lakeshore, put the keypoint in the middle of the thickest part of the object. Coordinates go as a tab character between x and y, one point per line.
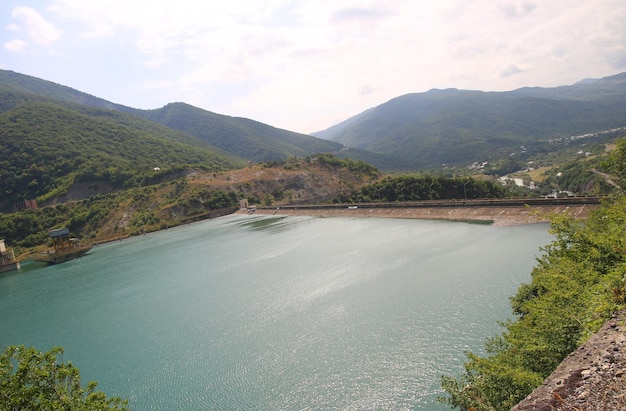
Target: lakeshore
498	216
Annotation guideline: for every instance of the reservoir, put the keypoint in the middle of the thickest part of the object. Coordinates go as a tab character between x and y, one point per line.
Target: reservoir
250	312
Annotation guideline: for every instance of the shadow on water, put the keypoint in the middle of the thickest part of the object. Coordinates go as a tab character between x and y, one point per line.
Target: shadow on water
273	224
30	265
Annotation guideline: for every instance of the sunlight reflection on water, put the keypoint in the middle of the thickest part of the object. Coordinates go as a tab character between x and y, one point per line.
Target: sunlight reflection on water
271	312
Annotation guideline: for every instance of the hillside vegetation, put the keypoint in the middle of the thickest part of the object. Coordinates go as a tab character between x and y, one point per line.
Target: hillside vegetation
245	139
196	194
459	127
46	147
59	146
258	142
578	284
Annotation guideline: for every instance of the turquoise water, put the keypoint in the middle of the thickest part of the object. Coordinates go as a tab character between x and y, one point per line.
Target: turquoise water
276	313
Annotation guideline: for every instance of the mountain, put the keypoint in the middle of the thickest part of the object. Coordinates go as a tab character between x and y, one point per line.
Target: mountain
47	147
245	138
459	127
256	141
241	137
248	139
60	144
33	86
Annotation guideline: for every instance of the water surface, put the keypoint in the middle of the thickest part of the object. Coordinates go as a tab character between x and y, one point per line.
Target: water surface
271	312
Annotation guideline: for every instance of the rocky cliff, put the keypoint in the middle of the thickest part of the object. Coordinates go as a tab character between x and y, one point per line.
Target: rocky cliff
591	378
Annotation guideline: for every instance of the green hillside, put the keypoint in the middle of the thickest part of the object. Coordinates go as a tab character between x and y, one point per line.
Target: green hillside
46	147
256	141
459	127
244	138
33	86
58	144
54	138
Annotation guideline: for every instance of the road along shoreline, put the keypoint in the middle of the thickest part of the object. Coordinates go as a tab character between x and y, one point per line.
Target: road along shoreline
496	215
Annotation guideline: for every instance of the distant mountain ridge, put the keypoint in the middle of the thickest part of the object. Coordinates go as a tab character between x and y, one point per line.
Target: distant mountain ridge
54	138
415	131
461	126
247	139
243	137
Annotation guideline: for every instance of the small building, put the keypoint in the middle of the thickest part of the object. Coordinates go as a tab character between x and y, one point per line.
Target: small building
62	241
25	205
64	248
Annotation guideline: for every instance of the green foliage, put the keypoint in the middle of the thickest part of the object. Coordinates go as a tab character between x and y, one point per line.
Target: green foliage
247	138
203	200
30	228
504	166
33	380
481	386
144	218
578	177
459	127
358	167
616	162
46	147
577	285
424	187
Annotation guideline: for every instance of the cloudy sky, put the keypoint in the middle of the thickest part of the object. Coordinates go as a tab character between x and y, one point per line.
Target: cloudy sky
305	65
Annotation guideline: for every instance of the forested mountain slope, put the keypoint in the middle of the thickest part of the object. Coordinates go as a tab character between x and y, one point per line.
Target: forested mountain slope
241	137
462	126
54	138
47	146
246	138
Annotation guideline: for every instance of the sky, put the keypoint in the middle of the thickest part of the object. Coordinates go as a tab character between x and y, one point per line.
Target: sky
305	65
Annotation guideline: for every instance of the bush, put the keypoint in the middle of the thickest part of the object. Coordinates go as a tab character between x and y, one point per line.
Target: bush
33	380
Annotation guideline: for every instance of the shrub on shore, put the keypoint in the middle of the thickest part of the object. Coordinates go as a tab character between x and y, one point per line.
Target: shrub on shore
576	286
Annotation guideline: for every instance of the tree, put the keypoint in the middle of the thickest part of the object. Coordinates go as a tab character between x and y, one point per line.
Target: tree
616	162
34	380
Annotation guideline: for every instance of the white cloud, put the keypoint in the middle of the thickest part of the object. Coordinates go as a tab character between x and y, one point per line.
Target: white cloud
303	64
34	26
15	46
513	10
511	70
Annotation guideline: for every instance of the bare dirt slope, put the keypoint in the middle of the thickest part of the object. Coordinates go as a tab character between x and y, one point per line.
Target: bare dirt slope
298	184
